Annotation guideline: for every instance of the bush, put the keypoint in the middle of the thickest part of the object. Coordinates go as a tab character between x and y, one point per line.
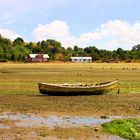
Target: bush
3	60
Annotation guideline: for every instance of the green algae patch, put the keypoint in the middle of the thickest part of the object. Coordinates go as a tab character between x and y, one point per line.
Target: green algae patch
125	128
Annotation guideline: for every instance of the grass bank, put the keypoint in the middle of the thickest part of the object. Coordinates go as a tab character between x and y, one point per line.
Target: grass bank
126	128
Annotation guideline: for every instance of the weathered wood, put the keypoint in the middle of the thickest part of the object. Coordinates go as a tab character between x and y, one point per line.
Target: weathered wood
77	89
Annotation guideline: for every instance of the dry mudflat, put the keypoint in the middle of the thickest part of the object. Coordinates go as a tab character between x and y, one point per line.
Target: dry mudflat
67	117
99	105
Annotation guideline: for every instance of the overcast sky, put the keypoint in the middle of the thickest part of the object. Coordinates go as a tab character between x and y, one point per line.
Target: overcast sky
107	24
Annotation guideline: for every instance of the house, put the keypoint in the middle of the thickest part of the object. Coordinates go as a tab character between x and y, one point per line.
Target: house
81	59
38	58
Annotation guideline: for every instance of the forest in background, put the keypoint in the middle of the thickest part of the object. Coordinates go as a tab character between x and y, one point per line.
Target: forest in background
18	50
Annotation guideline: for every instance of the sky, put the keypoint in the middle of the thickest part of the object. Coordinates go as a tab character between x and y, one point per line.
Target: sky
106	24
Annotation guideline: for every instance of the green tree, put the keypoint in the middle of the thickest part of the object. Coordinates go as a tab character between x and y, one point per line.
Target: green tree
6	46
136	47
1	52
20	53
76	48
121	53
18	41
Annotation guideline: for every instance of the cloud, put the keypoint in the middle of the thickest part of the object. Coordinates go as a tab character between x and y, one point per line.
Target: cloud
12	10
110	35
9	34
58	30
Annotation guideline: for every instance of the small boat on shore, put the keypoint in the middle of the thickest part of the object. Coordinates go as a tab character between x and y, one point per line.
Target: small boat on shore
77	89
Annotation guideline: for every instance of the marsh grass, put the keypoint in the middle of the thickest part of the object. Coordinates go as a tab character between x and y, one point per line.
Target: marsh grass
23	78
19	93
126	128
19	90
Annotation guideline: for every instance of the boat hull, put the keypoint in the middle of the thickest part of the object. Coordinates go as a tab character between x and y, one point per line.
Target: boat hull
51	89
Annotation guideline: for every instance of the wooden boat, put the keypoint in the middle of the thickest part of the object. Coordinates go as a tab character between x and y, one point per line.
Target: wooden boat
77	89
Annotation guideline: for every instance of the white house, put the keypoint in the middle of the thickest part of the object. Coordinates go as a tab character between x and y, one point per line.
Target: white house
81	59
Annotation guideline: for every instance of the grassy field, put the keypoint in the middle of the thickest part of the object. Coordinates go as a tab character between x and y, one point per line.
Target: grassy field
23	78
19	94
19	89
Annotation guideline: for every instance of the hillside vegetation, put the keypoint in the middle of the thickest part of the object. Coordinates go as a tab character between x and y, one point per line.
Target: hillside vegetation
18	50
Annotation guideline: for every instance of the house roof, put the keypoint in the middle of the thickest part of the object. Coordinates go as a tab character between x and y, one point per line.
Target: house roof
81	57
45	56
34	55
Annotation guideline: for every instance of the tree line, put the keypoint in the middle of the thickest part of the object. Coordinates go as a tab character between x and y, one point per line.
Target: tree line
18	50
